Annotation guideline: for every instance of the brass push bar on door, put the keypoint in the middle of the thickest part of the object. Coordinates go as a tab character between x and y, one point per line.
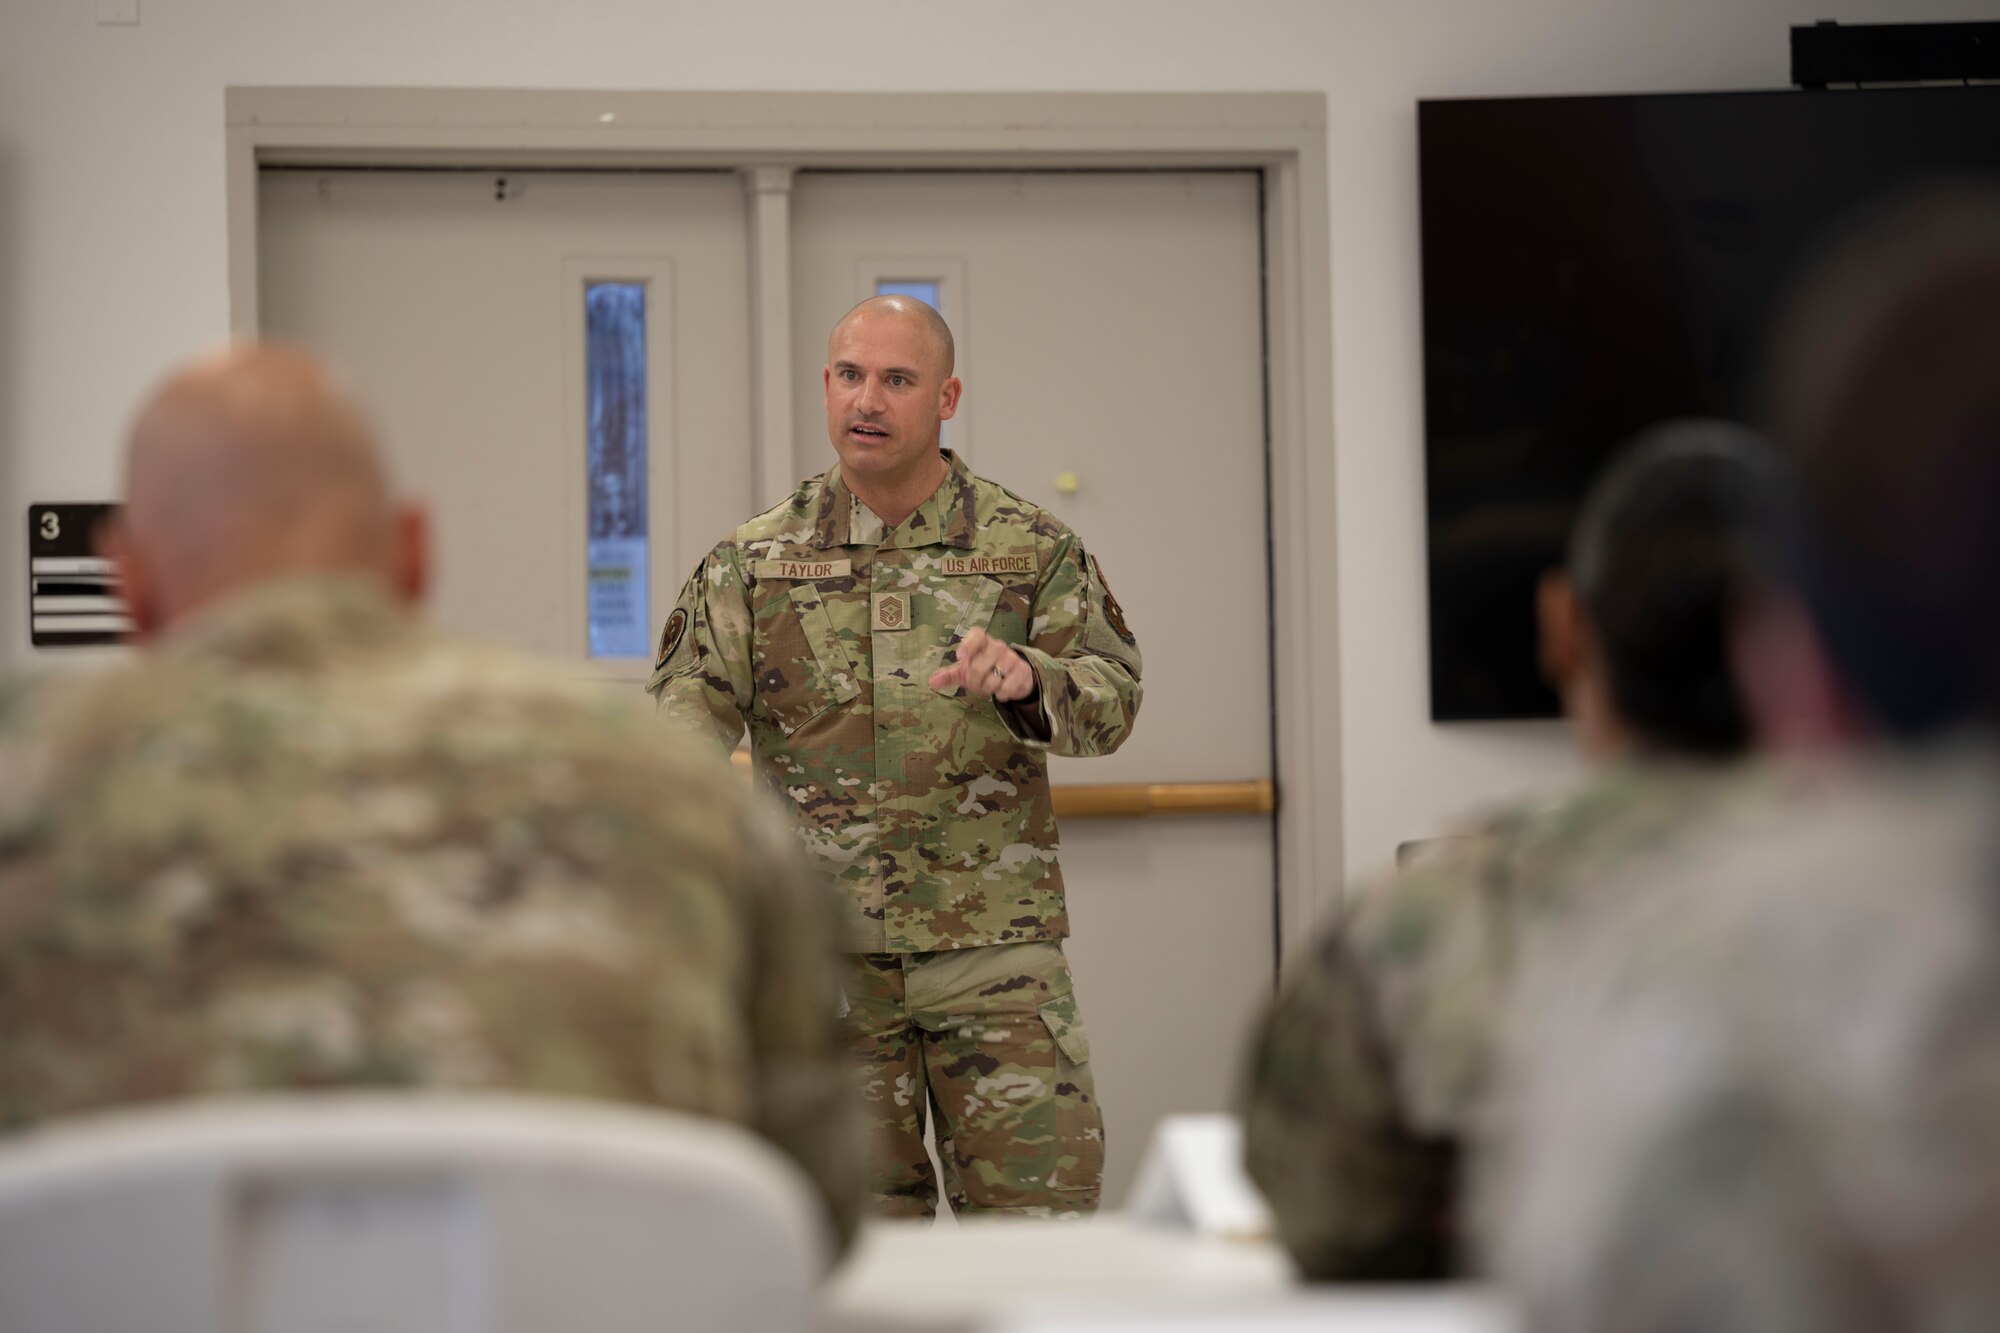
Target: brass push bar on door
1140	800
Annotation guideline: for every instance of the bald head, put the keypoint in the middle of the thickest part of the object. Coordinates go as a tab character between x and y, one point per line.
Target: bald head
243	466
920	313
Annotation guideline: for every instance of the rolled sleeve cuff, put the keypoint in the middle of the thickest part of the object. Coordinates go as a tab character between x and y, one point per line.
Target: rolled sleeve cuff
1032	721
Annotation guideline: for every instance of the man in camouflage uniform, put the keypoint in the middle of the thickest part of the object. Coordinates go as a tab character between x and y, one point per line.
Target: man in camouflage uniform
907	643
305	841
1370	1069
1763	1093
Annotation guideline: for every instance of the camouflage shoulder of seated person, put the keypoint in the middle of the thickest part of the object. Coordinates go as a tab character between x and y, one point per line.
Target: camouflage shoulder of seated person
1760	1088
309	842
1373	1061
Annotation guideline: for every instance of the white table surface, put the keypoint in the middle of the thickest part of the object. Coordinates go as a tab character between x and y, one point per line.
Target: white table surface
1108	1275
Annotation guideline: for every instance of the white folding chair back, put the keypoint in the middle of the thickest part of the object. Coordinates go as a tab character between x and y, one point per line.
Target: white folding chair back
394	1214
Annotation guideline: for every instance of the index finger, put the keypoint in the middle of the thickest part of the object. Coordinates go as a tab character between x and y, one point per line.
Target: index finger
969	646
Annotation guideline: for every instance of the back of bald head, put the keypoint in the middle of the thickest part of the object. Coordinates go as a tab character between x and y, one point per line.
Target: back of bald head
246	465
896	306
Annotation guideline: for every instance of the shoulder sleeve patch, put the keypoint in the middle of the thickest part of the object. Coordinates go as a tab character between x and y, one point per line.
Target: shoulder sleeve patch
1114	614
671	635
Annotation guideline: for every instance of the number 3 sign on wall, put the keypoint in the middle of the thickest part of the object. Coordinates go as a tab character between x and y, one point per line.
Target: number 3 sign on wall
73	596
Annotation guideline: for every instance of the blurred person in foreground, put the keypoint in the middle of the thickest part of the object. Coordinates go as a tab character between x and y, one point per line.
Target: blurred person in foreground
1766	1094
305	841
1370	1069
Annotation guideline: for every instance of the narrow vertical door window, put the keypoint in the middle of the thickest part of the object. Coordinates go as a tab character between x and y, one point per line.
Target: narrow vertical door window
923	290
615	369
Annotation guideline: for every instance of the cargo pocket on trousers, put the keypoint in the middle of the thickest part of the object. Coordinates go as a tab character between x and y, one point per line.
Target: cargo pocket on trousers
1079	1164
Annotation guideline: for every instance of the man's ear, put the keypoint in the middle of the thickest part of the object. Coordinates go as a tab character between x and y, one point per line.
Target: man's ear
948	394
410	553
1563	638
136	586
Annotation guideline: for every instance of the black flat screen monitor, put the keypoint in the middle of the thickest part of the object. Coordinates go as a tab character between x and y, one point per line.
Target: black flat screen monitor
1593	265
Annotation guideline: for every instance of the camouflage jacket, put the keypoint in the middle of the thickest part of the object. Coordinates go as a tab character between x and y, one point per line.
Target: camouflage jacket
820	627
308	842
1762	1092
1370	1066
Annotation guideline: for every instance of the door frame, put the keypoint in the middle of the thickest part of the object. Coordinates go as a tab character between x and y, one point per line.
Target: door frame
769	136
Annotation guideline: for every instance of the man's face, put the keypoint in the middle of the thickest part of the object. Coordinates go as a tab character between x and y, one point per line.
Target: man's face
886	395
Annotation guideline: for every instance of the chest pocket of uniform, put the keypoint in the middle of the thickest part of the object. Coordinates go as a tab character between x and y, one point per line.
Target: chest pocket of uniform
803	667
964	603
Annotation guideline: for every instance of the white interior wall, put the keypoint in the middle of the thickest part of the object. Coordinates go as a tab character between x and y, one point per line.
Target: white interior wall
112	247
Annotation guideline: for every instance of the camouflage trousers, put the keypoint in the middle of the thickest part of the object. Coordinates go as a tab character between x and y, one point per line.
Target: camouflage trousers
988	1041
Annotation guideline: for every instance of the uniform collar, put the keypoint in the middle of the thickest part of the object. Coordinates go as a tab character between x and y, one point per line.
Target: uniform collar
296	620
949	516
833	523
958	504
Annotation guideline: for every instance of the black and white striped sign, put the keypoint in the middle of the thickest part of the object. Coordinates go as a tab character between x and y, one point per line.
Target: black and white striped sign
73	596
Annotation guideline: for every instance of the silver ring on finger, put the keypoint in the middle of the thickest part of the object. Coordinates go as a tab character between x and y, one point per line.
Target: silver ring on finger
999	672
